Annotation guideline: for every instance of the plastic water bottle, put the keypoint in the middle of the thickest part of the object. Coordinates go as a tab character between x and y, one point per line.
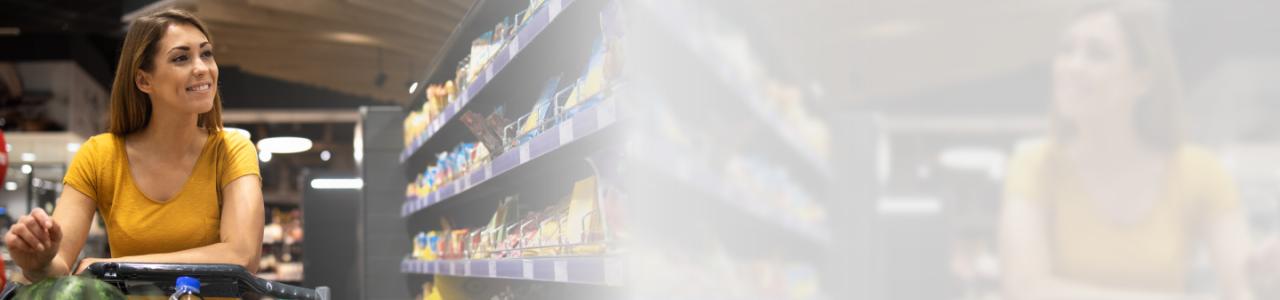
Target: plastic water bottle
186	288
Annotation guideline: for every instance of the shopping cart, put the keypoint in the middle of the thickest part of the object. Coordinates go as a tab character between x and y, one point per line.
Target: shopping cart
216	280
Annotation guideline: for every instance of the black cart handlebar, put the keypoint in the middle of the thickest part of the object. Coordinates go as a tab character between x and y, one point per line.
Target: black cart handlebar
233	279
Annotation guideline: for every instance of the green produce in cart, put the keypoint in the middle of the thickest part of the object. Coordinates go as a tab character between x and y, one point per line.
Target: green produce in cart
69	288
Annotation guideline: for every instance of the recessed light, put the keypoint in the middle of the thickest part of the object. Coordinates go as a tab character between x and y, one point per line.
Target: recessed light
284	144
337	183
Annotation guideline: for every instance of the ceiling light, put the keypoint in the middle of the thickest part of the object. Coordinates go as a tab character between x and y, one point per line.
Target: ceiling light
243	132
28	157
413	87
325	155
26	169
10	186
264	156
981	159
336	183
284	144
353	38
73	147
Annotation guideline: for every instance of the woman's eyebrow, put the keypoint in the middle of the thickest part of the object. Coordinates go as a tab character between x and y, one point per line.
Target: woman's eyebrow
185	48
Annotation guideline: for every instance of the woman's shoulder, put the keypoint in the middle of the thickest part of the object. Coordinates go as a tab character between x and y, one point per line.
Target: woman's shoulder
1198	160
1031	153
233	146
104	143
230	138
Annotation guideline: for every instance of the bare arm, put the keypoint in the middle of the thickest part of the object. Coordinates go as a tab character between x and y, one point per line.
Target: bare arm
1027	269
61	236
241	235
1228	237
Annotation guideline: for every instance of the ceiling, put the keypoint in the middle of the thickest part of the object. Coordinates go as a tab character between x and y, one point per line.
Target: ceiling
342	45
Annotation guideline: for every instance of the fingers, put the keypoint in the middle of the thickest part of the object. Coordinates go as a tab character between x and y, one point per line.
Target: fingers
16	243
20	245
26	236
55	233
42	218
36	229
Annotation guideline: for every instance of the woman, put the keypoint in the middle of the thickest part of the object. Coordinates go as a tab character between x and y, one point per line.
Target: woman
170	185
1113	204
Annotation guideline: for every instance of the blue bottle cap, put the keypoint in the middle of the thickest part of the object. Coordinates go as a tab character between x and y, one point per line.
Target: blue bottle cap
187	283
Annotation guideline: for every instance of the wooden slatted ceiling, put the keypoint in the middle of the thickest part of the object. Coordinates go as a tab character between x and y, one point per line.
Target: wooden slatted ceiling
332	44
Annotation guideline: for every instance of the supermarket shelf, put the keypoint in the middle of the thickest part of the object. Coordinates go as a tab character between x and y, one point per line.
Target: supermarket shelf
582	269
581	125
546	14
675	17
699	177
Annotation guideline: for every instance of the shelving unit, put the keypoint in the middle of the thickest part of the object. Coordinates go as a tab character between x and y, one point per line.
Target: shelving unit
543	17
766	214
677	19
582	125
717	103
598	270
551	36
697	176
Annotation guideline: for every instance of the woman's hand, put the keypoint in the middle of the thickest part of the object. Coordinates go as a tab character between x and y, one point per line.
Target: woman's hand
33	241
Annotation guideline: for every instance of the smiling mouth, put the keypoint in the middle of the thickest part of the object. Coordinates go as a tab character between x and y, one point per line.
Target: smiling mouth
199	87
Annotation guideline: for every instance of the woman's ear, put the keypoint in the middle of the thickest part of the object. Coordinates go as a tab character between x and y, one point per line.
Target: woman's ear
143	80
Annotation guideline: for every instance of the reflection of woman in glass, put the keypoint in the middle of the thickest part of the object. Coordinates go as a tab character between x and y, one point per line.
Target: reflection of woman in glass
1113	205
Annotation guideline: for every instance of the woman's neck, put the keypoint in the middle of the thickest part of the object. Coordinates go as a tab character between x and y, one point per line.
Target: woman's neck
1108	144
170	133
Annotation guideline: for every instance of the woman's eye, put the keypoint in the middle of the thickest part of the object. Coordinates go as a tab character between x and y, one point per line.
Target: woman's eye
180	58
206	54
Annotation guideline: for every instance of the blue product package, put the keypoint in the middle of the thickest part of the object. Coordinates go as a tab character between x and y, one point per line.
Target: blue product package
541	111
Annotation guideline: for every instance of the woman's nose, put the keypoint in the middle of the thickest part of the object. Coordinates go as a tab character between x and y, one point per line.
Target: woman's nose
201	67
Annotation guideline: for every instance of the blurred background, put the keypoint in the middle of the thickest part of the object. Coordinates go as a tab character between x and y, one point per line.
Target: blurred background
657	149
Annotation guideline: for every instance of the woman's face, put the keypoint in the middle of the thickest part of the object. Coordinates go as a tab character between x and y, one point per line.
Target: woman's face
1093	71
184	75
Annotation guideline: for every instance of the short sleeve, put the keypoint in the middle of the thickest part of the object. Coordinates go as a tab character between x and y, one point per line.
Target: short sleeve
240	159
1216	188
82	175
1025	172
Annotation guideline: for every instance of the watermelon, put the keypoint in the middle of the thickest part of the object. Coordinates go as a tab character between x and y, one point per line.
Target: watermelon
70	287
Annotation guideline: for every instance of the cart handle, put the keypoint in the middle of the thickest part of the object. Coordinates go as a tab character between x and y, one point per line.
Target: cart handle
157	271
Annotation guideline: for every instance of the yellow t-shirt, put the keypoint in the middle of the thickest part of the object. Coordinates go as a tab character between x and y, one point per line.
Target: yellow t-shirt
137	225
1153	254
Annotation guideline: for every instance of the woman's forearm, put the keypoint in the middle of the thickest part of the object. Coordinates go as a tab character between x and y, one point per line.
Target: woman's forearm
1060	289
219	253
56	267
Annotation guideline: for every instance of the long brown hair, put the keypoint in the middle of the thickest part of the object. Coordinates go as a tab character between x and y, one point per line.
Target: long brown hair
1156	117
130	107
